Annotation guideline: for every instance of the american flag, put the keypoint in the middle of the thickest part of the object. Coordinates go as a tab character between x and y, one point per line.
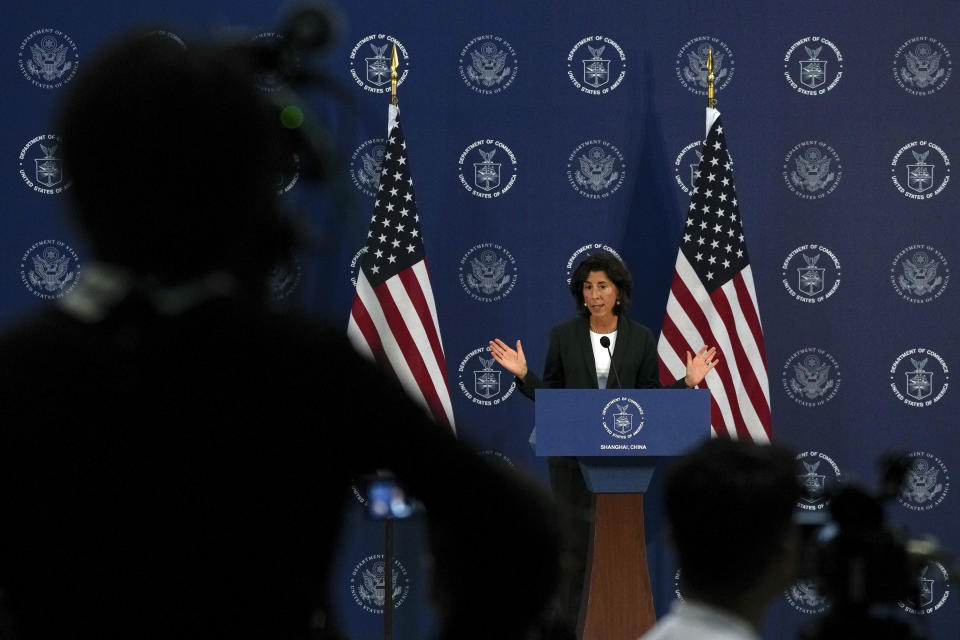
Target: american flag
713	301
394	319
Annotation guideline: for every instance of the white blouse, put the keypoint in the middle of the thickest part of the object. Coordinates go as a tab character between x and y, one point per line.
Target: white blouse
601	358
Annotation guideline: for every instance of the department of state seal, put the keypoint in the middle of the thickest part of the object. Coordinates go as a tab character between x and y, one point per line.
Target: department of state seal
596	65
169	35
595	169
49	269
813	66
678	585
488	272
284	280
48	58
812	170
811	377
368	584
365	165
818	474
926	483
919	377
272	80
921	175
289	176
922	66
919	273
806	597
488	64
691	64
497	459
370	62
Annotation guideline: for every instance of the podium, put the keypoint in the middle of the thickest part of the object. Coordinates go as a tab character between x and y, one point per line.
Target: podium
619	436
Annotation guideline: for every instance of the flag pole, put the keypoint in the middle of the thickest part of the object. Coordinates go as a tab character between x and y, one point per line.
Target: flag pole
388	523
388	578
394	63
711	101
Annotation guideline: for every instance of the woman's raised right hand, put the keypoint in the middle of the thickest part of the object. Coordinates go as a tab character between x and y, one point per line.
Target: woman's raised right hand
511	360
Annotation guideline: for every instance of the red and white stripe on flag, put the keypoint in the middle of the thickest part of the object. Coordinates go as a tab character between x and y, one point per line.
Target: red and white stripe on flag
713	301
393	318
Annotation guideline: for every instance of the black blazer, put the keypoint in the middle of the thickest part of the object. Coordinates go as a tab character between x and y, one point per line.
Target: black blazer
570	363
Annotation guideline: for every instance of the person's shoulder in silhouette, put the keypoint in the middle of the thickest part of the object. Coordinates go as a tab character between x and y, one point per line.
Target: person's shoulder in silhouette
174	454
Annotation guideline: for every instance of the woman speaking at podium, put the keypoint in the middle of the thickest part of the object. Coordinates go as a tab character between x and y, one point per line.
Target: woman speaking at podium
599	349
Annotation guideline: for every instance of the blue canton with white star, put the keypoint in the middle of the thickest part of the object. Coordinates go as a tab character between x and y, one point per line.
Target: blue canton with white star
713	235
393	241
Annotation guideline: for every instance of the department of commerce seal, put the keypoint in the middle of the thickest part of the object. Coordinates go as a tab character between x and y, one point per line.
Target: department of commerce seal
933	589
812	170
488	64
494	168
811	377
41	167
596	65
919	273
49	269
806	597
368	584
922	66
48	58
482	379
355	265
583	253
813	66
370	62
595	169
691	64
926	176
926	483
919	377
284	280
818	474
811	273
365	164
622	418
686	165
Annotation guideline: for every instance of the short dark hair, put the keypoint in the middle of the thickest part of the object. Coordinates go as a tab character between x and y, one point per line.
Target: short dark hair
175	158
729	504
615	270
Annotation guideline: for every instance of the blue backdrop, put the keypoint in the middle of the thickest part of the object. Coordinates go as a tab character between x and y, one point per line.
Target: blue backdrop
840	117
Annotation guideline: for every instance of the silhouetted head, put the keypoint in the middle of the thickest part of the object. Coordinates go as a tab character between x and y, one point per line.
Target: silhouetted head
730	506
175	160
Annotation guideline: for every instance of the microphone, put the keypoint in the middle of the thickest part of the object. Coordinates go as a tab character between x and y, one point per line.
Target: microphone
605	343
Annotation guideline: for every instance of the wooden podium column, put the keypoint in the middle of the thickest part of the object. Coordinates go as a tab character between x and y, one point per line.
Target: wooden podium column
618	599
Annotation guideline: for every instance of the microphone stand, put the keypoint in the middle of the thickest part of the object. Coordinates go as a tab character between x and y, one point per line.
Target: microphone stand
605	343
